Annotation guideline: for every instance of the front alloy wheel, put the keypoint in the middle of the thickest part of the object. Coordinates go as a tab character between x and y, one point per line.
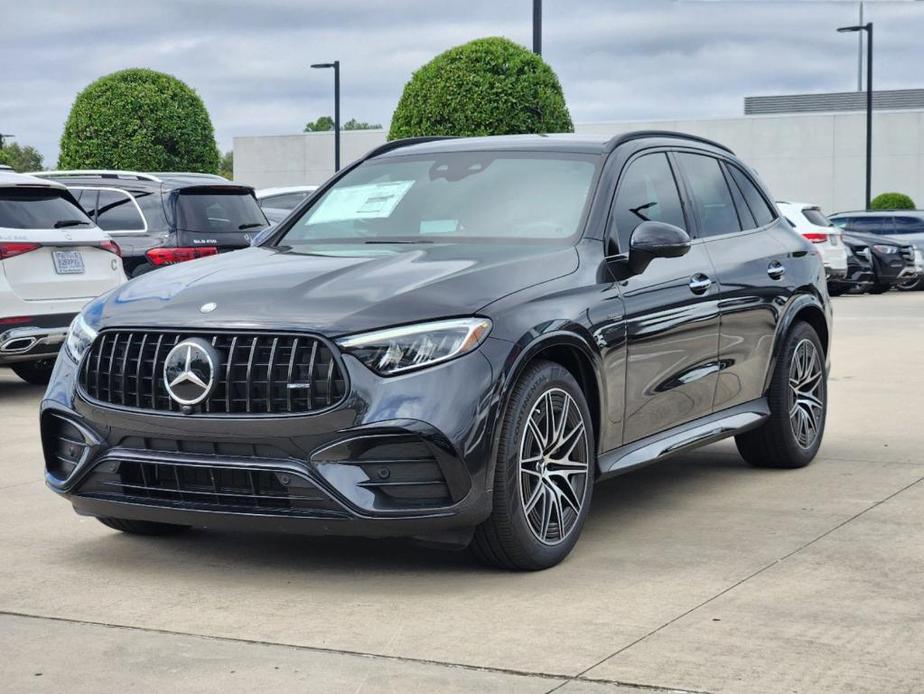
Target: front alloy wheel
544	473
553	466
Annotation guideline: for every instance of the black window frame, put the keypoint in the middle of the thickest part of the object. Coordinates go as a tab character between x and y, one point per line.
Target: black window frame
688	193
730	167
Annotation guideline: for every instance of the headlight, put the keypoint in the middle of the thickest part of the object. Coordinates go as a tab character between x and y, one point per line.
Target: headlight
79	338
882	248
408	347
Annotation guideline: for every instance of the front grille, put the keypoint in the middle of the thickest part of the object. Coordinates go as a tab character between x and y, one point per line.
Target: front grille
208	486
257	373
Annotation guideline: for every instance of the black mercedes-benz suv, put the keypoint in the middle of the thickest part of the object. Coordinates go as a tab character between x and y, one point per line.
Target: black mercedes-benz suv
452	340
162	219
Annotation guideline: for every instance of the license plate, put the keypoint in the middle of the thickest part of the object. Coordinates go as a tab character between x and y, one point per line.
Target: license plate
68	262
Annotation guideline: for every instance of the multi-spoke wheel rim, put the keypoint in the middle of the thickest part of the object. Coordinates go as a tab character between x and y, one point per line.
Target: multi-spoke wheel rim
806	389
553	466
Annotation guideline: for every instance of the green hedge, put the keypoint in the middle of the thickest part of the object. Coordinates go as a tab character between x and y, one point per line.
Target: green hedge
141	120
489	86
892	201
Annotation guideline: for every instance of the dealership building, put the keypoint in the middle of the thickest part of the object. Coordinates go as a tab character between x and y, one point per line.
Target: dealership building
806	147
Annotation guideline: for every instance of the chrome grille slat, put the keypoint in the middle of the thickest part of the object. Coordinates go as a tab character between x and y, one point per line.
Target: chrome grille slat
124	368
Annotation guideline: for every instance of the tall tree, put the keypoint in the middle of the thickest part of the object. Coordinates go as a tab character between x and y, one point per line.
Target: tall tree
226	165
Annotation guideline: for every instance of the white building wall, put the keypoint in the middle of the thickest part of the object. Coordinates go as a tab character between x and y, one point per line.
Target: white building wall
807	158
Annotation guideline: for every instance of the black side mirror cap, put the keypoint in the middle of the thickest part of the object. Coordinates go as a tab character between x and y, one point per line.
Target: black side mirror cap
652	240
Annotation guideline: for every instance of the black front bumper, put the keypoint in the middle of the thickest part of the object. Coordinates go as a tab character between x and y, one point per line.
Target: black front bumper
403	456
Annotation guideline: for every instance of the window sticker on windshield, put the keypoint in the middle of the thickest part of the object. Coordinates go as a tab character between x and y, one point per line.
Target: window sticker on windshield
370	201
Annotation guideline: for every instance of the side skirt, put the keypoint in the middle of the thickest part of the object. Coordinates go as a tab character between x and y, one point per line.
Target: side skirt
699	432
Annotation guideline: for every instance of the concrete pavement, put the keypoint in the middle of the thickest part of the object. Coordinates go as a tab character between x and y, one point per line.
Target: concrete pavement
698	574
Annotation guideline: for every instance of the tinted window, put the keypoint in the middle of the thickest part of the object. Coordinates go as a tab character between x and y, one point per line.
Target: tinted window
909	225
711	196
760	209
115	211
744	212
218	211
868	225
647	192
87	199
454	196
289	201
38	208
814	215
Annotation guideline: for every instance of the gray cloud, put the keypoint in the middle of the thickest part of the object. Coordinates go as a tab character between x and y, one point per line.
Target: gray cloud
617	59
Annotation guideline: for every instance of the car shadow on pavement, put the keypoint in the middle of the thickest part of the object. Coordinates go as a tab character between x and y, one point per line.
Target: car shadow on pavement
617	502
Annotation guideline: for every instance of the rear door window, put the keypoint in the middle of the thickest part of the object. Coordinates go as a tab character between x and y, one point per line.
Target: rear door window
711	196
39	208
870	225
211	210
909	225
116	211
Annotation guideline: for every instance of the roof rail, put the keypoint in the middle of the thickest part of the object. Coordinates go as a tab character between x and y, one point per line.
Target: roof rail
99	173
188	174
643	134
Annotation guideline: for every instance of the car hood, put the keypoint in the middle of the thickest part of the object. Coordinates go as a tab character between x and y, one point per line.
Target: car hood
332	290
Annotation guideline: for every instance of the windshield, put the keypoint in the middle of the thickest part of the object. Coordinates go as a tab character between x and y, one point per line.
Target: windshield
39	208
814	215
460	196
218	211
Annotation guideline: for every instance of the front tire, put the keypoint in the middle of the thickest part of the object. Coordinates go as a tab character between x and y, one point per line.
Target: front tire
38	373
880	288
798	400
544	475
139	527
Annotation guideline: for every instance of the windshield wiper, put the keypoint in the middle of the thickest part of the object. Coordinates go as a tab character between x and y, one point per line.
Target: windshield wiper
251	225
69	223
396	241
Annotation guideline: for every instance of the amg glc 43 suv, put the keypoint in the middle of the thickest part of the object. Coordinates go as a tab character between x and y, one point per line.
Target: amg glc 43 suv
452	340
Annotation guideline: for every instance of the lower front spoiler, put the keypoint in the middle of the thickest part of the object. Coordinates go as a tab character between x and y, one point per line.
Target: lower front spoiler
429	527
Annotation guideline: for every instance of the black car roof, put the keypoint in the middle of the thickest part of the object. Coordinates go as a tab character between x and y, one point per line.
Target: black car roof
589	144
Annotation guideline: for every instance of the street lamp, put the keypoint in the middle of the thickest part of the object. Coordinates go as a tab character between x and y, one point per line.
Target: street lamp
336	66
868	28
537	27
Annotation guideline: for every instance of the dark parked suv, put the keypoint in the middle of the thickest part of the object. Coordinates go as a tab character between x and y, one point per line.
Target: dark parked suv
452	340
885	231
165	218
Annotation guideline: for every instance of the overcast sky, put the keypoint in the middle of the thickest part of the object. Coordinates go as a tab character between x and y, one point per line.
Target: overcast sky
617	59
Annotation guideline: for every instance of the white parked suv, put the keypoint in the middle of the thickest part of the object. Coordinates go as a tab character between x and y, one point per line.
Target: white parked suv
53	260
809	221
278	202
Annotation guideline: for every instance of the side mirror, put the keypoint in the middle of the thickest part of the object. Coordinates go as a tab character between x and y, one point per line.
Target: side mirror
652	240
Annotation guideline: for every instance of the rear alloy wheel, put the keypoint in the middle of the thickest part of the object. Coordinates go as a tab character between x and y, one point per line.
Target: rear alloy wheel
38	373
798	400
544	476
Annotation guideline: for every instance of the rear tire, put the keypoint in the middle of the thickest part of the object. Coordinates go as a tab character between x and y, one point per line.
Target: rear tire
836	291
38	373
798	399
544	475
139	527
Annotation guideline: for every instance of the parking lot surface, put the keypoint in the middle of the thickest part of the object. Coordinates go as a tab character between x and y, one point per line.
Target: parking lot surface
699	574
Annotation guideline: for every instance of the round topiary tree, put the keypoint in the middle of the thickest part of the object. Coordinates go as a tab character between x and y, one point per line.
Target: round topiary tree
892	201
142	120
489	86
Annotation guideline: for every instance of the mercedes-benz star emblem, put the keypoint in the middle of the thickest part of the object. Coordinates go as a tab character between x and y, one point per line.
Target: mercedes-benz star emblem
189	371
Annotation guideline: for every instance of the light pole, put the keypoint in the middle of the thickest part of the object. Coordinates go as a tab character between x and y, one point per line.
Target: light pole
3	136
537	27
868	28
336	66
